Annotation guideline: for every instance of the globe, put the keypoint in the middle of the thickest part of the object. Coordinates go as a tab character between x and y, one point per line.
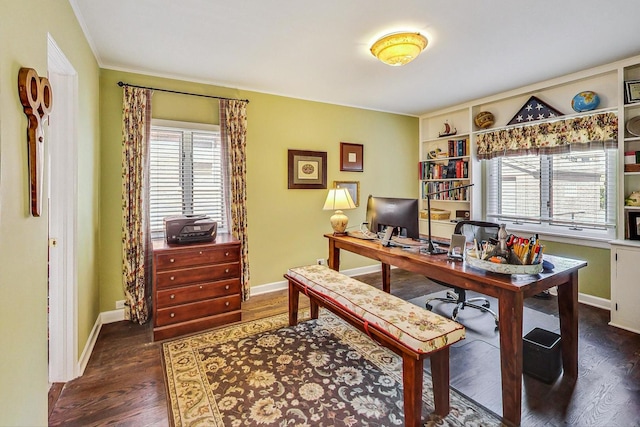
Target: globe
585	101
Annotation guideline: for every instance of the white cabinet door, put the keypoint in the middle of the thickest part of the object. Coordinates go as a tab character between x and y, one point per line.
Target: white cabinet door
625	288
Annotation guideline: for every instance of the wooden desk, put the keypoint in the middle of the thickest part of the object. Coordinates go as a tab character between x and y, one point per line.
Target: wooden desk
510	292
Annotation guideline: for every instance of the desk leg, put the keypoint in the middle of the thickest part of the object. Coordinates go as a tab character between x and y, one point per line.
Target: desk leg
334	256
568	310
511	310
386	278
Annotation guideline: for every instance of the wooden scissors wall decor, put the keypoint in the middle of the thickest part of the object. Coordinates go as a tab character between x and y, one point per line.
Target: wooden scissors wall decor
37	99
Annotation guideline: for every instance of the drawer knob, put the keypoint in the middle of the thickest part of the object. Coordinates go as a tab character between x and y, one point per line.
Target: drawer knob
226	304
172	260
172	296
172	278
227	287
200	286
200	252
226	254
226	270
172	315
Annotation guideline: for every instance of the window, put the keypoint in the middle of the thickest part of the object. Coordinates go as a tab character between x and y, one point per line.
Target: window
572	192
187	173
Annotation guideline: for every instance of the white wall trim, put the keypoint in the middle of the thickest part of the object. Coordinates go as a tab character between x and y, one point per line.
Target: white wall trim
62	218
278	286
118	315
102	319
597	302
88	348
112	316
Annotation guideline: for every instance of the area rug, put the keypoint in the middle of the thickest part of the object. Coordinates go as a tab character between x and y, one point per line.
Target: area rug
319	373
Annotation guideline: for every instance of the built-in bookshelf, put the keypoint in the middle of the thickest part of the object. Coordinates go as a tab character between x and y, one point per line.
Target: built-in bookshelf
438	165
445	168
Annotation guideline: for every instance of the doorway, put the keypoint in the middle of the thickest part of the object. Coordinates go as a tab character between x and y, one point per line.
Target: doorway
62	192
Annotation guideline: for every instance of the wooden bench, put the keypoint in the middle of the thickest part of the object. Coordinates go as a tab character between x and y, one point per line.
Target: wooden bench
408	330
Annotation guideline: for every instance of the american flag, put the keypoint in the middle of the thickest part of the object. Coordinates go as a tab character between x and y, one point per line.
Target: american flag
534	110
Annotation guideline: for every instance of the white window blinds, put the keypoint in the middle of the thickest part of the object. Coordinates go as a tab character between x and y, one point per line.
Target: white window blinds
573	190
186	173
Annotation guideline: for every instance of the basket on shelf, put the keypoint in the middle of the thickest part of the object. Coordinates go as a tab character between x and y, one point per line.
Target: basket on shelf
435	214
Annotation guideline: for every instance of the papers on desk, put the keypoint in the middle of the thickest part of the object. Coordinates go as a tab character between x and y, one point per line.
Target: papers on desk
405	241
362	235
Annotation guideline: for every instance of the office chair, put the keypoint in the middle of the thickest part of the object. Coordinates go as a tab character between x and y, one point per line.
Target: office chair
478	230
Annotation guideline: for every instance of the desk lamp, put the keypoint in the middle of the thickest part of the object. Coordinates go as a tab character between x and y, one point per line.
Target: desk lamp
338	199
432	250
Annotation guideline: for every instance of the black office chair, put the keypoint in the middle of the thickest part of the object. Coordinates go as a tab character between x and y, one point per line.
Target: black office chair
480	231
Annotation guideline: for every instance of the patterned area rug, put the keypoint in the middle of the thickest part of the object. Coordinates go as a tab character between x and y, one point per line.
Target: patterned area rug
318	373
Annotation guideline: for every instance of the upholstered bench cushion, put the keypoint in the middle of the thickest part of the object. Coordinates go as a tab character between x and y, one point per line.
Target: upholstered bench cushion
417	328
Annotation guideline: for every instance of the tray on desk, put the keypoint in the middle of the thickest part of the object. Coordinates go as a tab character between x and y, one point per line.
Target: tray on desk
501	268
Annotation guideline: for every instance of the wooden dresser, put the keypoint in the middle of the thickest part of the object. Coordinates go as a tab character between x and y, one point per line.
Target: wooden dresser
195	286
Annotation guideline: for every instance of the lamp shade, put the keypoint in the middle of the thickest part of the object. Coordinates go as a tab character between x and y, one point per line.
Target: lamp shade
399	48
338	199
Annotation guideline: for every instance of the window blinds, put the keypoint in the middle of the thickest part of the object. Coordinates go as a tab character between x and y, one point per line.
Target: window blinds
571	190
186	175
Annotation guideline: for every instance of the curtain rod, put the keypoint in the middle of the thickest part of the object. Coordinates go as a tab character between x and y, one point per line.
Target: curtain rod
121	84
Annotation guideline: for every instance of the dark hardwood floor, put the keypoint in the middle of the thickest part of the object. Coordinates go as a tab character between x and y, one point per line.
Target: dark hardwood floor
123	383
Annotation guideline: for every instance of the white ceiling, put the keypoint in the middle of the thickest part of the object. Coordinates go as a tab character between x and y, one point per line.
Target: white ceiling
319	50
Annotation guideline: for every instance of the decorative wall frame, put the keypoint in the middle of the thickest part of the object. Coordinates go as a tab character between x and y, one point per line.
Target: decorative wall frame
307	169
633	224
631	91
352	186
351	159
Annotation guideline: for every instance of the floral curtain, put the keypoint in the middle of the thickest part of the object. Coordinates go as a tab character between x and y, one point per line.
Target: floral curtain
233	128
578	133
136	239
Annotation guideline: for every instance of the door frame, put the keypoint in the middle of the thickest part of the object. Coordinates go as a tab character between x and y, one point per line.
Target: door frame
62	165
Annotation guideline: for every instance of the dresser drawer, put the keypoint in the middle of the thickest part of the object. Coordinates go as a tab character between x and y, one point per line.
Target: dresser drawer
197	256
208	273
191	293
196	310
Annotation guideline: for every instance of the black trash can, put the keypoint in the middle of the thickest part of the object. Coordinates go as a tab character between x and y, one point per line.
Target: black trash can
542	355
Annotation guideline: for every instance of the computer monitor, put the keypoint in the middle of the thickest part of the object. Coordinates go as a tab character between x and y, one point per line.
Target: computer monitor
385	212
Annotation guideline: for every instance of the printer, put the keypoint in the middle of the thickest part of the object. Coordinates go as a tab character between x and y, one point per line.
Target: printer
189	229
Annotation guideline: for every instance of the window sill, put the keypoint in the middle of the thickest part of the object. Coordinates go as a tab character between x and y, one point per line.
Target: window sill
585	237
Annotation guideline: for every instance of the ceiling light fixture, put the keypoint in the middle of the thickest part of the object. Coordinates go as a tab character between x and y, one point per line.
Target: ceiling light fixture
399	48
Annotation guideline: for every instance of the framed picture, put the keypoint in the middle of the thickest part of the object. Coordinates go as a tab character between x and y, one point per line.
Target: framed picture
307	169
351	157
633	224
352	186
631	91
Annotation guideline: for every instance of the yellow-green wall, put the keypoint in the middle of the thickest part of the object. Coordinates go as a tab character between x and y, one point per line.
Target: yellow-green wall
24	26
285	226
595	278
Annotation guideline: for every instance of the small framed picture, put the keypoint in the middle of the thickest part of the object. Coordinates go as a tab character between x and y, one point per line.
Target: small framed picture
633	224
631	91
307	169
352	186
351	157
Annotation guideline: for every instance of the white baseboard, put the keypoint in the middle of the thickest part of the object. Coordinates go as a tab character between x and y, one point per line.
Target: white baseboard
88	348
112	316
597	302
278	286
118	315
103	318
